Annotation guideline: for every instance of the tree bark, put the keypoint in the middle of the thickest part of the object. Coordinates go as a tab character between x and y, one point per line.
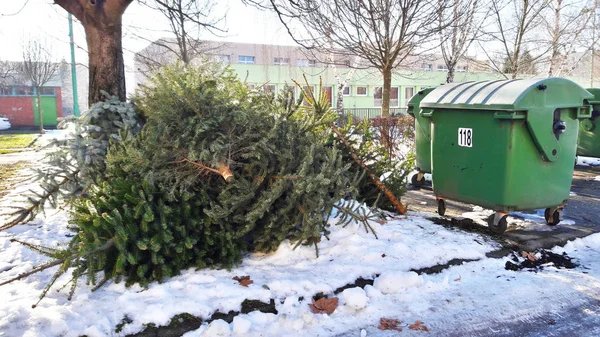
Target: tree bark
385	95
555	39
339	104
106	65
450	75
102	21
40	112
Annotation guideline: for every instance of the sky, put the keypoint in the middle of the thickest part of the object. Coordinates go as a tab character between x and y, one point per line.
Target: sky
21	20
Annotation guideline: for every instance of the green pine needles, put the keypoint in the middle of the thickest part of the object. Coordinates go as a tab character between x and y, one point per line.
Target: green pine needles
216	171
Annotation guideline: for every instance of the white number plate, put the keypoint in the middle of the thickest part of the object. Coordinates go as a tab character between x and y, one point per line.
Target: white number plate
465	137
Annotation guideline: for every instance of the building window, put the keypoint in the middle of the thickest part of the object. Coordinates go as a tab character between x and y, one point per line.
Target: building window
428	67
346	91
361	91
306	63
251	86
281	61
225	59
24	91
378	97
47	91
442	67
5	91
409	92
246	59
461	69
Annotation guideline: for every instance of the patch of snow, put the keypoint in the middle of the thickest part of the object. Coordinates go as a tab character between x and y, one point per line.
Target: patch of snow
241	326
217	328
588	161
355	298
461	300
393	282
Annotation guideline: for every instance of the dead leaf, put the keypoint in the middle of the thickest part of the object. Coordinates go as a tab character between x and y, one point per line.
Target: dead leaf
458	279
530	256
418	326
389	324
244	280
381	222
324	305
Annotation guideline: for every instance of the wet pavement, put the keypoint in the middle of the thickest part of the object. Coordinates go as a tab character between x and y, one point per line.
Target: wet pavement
581	216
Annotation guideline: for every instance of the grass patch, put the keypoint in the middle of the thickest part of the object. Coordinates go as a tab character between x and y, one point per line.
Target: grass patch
17	141
6	173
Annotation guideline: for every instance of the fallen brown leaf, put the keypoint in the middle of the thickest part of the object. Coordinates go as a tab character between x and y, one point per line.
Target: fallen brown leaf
244	280
458	279
324	305
418	326
389	324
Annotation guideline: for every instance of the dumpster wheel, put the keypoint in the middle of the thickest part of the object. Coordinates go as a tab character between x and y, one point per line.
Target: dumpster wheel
555	218
418	179
497	222
441	205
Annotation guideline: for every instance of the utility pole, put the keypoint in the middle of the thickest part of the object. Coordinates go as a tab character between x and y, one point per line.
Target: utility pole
73	69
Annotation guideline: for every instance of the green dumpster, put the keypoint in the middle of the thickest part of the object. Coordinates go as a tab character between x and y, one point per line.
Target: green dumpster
589	129
422	137
507	145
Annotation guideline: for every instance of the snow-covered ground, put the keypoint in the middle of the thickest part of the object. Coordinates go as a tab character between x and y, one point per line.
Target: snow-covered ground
588	161
469	298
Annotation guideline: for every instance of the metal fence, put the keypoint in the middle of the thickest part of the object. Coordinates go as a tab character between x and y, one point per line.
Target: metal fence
360	114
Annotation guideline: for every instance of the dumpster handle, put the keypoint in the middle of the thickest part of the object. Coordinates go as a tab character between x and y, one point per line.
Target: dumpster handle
539	125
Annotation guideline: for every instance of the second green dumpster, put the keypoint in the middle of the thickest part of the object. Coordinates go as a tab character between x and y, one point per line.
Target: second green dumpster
422	137
589	129
506	145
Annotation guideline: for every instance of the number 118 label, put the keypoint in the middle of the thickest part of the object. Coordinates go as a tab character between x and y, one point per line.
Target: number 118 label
465	137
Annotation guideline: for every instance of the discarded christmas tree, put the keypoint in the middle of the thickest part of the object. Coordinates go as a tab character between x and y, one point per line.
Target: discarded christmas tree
217	170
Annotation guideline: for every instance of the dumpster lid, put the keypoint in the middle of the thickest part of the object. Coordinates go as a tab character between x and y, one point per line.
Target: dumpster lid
416	99
508	94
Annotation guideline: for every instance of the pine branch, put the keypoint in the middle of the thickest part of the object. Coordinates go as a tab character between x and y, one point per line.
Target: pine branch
223	170
27	214
380	185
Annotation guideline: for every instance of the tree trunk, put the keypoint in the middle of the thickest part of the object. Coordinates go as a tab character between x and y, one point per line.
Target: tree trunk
387	87
339	105
450	75
106	66
555	37
40	112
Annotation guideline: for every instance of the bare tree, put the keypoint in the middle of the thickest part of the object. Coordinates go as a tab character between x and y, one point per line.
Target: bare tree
6	72
102	21
381	33
567	24
515	23
187	19
459	25
38	68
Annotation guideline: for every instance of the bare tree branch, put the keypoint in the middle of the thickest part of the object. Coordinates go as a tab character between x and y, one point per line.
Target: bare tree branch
381	33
